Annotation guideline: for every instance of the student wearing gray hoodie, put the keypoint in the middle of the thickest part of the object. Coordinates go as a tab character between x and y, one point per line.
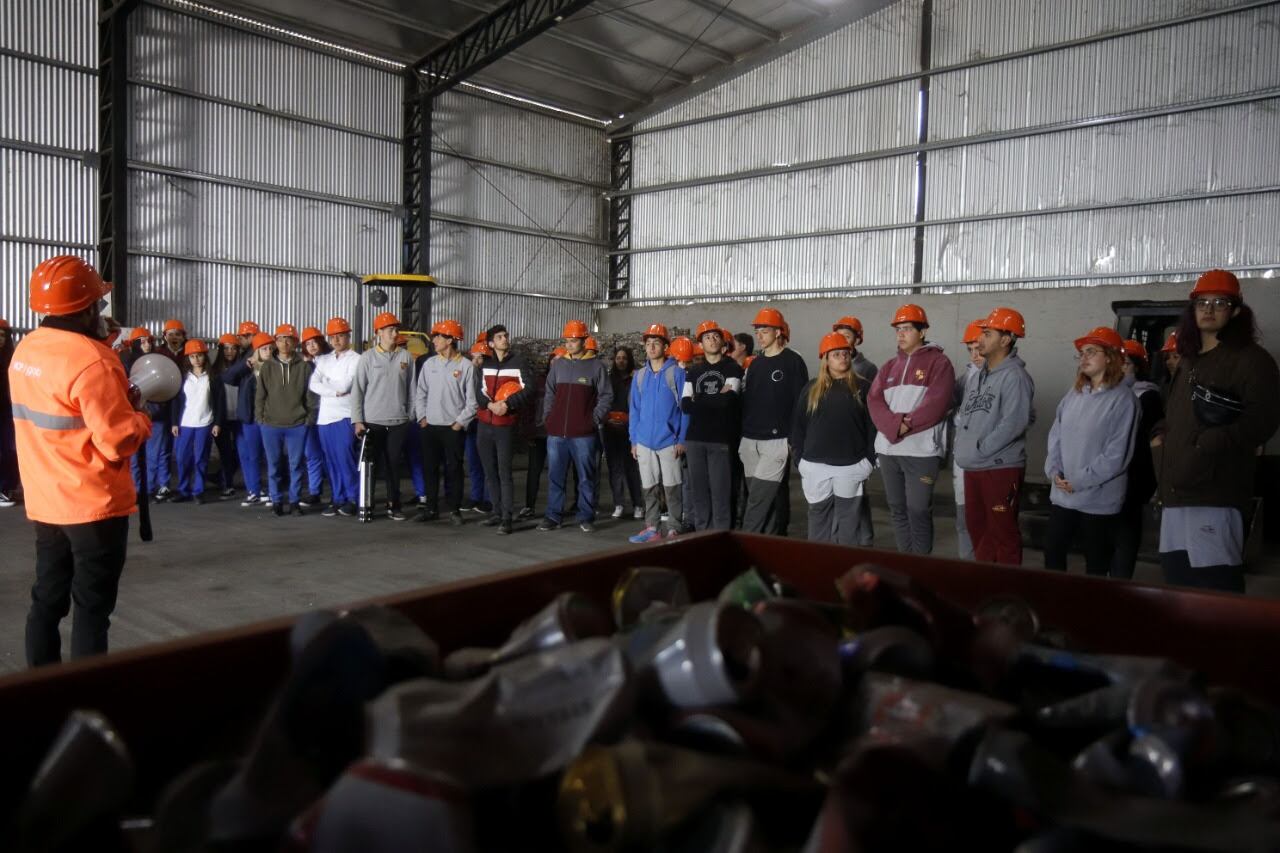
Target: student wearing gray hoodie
1090	448
991	440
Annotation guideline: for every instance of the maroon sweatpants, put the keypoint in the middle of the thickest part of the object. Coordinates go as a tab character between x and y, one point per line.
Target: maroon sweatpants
991	513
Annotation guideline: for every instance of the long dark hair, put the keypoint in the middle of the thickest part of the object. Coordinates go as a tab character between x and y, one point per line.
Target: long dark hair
1240	330
631	358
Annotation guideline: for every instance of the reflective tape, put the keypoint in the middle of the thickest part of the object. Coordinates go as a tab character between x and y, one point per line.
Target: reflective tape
44	420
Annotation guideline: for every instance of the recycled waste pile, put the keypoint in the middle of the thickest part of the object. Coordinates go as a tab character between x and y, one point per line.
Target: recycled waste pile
758	721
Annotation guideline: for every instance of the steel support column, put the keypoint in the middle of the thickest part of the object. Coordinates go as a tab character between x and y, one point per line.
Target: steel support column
113	150
922	156
619	219
415	307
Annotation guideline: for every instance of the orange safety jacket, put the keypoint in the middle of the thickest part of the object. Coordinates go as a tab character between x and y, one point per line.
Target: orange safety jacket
75	428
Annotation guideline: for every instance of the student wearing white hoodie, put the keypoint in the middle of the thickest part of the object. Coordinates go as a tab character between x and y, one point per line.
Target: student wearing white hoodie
1090	447
909	401
332	380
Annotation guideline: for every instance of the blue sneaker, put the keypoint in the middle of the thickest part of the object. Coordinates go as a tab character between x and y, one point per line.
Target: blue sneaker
649	534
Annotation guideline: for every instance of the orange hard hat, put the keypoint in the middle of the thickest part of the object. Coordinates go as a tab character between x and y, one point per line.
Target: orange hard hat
1133	349
973	331
64	285
656	330
1006	320
194	346
248	327
261	339
769	317
910	314
506	391
4	324
832	341
287	330
698	350
705	327
1170	343
746	362
681	349
138	333
385	319
617	418
337	326
448	328
1218	282
402	339
848	323
591	345
174	326
575	329
1103	336
310	332
481	348
786	330
728	340
559	352
228	340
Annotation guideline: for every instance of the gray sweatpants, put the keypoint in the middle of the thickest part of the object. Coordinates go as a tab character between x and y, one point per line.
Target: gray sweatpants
710	483
908	487
764	462
660	473
835	520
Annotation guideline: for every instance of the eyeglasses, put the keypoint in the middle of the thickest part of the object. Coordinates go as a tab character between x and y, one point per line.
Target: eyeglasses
1089	352
1219	304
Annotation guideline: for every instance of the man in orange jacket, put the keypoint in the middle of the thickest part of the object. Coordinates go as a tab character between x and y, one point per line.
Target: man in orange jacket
76	430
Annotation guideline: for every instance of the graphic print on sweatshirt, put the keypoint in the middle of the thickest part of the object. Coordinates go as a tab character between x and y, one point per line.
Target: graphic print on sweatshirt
712	381
979	401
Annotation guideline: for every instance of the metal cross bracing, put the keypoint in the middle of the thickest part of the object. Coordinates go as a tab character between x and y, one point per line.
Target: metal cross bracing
415	307
113	154
490	38
619	219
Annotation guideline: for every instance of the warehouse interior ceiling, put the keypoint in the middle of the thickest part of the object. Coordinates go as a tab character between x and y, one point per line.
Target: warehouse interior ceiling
610	62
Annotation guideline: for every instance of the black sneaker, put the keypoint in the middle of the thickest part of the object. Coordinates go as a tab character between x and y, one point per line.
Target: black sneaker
396	515
347	510
162	494
228	492
587	527
200	499
277	509
306	500
330	511
548	524
425	515
526	512
504	528
455	518
483	506
179	499
491	521
251	499
299	508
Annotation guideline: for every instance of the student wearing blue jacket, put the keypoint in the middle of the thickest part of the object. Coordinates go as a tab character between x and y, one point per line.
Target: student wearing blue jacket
1090	448
244	375
657	430
196	416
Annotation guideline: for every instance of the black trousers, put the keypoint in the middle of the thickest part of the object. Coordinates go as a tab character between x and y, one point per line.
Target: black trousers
1097	539
537	464
624	471
495	446
443	446
78	563
1128	538
1178	571
387	445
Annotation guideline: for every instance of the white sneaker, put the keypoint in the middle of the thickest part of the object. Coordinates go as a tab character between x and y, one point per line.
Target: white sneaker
6	501
250	499
638	514
617	511
666	516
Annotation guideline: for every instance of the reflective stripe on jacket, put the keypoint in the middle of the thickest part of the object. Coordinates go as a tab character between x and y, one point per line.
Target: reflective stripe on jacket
75	428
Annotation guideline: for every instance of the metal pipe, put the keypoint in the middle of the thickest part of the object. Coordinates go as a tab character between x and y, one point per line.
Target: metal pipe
962	142
907	287
273	189
946	69
41	241
526	170
48	150
519	293
261	110
47	60
959	220
437	216
231	262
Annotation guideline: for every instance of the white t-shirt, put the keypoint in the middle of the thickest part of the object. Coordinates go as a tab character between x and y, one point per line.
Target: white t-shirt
334	374
197	412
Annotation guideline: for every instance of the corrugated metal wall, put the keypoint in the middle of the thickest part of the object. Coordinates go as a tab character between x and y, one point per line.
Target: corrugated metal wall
503	179
1081	141
48	109
260	171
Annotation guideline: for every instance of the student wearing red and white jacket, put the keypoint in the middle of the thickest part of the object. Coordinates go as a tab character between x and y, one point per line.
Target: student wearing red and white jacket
498	413
909	401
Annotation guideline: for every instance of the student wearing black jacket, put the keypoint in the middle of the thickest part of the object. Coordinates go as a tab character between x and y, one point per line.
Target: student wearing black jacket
833	442
624	471
1142	473
712	399
771	386
244	376
196	416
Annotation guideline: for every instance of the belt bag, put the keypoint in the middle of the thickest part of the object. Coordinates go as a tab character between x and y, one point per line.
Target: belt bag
1214	408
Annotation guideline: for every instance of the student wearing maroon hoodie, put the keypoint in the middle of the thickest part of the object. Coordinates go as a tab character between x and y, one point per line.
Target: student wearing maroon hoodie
909	401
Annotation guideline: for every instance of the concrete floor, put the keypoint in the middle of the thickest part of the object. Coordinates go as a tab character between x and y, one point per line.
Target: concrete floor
219	565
